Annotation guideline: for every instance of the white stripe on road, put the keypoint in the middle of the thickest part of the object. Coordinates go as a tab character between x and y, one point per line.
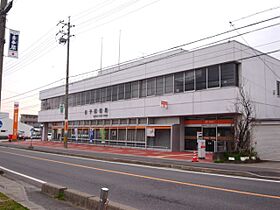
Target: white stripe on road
23	175
155	167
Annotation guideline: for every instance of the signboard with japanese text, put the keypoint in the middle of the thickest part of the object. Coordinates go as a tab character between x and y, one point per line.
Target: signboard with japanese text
13	44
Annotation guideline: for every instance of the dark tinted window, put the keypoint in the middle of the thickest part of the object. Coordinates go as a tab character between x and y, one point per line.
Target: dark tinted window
143	88
151	87
200	79
229	74
169	83
213	76
114	93
109	93
178	82
103	94
134	89
189	80
159	85
127	90
120	91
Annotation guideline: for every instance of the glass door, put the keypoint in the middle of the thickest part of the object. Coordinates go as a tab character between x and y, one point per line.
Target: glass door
209	134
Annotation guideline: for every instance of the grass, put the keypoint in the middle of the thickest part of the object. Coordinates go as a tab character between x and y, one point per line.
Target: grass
60	196
7	204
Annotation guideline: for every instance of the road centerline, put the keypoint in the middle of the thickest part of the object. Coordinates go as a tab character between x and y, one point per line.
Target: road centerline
150	177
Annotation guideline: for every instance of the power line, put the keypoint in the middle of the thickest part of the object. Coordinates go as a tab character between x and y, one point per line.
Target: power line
257	13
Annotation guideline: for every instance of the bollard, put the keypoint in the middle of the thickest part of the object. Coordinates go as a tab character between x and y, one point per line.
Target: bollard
103	202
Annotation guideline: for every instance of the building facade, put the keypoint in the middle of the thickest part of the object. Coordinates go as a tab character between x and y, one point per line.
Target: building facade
162	101
30	119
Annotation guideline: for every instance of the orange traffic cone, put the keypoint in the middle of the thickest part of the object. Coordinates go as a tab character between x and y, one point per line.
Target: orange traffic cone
195	158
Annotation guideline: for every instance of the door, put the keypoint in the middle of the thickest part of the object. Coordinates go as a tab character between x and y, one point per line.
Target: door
209	134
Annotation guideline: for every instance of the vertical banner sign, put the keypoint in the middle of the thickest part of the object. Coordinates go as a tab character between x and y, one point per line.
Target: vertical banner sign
91	135
76	133
13	44
103	135
15	124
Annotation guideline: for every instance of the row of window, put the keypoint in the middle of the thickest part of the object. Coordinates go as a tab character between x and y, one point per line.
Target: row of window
220	75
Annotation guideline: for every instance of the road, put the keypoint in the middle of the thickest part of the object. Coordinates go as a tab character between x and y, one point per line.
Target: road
145	187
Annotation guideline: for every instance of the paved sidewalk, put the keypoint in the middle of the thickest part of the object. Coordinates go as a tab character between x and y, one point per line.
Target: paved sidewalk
30	196
181	160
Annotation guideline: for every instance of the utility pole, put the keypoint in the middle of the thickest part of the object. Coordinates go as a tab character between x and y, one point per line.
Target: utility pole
63	39
4	9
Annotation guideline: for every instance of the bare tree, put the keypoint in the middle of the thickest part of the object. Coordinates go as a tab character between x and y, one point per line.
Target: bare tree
243	122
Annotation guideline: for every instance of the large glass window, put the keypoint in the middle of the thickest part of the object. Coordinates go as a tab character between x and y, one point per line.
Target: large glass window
229	74
79	99
178	82
151	87
115	93
134	89
87	97
189	80
103	94
98	95
213	76
120	91
109	93
83	98
92	97
143	88
159	85
200	79
127	88
168	83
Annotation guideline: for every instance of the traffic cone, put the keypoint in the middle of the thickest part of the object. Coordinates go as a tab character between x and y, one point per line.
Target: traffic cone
195	158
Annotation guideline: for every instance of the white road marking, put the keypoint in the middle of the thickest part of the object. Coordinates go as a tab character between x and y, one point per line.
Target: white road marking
155	167
23	175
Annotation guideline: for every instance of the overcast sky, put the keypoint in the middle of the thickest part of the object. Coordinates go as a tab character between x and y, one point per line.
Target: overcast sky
146	26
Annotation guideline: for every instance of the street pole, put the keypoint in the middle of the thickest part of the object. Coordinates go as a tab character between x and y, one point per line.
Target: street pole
63	40
4	9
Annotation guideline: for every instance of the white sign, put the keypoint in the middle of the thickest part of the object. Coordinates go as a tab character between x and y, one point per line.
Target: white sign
199	135
150	132
13	44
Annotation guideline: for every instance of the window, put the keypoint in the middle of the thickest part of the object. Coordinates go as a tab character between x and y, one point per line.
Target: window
120	91
103	95
83	98
115	93
98	95
278	88
143	85
159	85
92	97
213	76
189	80
127	88
229	74
79	98
178	82
134	89
151	87
168	83
109	93
200	79
87	97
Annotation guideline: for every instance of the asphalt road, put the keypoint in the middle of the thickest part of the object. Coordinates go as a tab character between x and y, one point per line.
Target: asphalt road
145	187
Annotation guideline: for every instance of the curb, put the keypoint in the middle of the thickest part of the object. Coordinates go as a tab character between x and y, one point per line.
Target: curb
163	165
78	198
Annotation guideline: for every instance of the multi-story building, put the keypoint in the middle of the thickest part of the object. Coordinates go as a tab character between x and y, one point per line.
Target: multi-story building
30	119
162	101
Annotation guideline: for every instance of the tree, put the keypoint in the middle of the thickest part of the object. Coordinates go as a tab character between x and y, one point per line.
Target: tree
243	122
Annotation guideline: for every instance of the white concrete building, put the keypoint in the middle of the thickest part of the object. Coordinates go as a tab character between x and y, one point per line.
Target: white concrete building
6	127
162	101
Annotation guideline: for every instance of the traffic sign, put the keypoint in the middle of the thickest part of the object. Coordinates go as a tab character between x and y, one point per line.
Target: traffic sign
1	123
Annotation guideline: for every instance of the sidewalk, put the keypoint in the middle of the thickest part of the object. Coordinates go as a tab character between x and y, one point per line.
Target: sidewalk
30	196
180	160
